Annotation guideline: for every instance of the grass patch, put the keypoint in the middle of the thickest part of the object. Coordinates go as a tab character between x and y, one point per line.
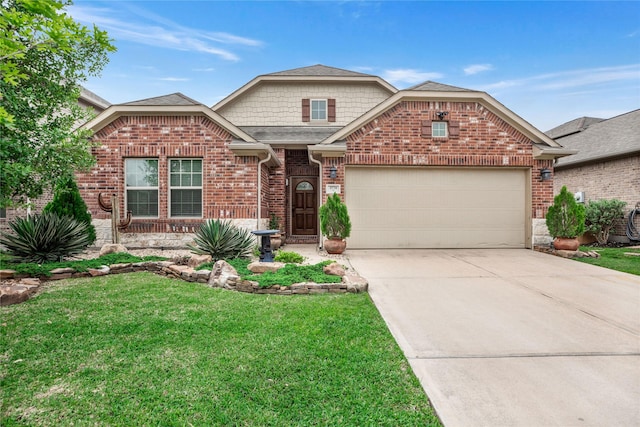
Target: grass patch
37	270
614	258
140	349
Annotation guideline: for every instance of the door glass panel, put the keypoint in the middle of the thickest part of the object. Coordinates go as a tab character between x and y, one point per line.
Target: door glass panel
304	185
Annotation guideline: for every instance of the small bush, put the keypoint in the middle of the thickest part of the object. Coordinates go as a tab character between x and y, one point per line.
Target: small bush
68	202
334	218
44	238
601	216
565	217
289	257
222	239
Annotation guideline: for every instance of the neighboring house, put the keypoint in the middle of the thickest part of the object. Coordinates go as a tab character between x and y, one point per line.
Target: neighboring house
432	166
87	99
607	165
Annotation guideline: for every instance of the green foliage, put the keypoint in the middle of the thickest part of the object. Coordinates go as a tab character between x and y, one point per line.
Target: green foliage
222	239
44	58
601	216
67	201
565	217
46	237
289	257
291	273
274	222
619	259
334	218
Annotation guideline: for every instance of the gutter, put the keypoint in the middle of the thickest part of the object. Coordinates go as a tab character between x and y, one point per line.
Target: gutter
319	163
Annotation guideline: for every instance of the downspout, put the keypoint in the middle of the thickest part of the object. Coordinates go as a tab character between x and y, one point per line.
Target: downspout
319	163
260	163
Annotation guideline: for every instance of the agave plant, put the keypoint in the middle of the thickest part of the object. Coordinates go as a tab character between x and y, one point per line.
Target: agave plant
45	238
222	240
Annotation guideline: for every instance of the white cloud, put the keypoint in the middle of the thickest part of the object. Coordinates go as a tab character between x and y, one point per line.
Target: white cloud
409	76
173	79
144	27
477	68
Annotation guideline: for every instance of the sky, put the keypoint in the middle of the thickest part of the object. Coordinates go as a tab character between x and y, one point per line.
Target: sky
547	61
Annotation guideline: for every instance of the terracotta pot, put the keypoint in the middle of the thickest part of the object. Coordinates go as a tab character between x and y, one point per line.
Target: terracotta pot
335	246
566	244
276	241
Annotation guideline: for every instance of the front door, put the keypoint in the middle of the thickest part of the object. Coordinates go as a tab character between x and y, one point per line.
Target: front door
304	206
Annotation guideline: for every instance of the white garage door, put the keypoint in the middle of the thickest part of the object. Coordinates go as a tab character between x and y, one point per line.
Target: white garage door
436	208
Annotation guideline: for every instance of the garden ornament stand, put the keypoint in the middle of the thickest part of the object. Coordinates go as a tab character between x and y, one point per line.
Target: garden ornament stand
117	225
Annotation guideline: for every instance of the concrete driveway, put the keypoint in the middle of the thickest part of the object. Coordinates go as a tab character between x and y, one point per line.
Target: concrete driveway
512	337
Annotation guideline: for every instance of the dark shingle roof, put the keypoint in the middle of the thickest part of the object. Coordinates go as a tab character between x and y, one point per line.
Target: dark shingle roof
573	126
438	87
290	134
319	70
609	138
173	99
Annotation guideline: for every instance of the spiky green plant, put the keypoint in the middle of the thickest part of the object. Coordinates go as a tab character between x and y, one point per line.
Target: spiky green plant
45	238
67	201
565	217
222	239
334	218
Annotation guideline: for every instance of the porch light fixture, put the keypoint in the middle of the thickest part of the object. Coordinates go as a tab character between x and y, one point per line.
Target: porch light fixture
545	174
333	172
442	114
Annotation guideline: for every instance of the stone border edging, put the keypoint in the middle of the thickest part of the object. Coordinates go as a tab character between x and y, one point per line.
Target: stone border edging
27	286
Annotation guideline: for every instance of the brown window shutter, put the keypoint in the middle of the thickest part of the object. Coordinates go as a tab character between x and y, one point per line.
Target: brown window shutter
426	128
306	110
331	110
454	129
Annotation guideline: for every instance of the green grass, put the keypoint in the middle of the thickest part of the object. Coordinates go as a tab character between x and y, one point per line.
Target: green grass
614	258
141	349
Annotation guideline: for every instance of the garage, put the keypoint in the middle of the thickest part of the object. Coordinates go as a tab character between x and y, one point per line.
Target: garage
436	207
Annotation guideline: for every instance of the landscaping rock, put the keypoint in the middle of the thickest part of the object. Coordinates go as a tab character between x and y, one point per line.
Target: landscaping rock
334	269
16	293
355	283
7	274
197	260
102	271
223	274
113	248
262	267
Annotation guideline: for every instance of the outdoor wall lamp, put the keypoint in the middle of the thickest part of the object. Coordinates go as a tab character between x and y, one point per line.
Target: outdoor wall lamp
442	114
333	172
545	174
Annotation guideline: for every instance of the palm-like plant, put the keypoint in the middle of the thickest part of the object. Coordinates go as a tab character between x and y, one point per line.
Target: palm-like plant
222	240
45	238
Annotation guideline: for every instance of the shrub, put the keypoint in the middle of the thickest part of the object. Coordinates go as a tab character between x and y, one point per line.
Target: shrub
68	202
565	217
44	238
334	218
601	216
222	239
289	257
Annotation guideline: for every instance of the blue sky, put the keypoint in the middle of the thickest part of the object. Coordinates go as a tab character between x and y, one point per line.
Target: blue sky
548	61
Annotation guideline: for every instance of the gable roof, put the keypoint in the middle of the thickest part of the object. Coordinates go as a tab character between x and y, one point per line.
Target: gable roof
98	103
573	126
615	137
171	99
314	73
543	146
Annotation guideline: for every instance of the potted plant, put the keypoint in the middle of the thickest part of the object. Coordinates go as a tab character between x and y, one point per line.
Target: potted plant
565	221
274	224
335	224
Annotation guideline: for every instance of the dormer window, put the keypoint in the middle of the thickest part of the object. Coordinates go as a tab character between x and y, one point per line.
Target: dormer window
319	109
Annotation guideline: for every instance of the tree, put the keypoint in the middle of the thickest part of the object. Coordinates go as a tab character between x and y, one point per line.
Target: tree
565	218
601	216
67	201
44	56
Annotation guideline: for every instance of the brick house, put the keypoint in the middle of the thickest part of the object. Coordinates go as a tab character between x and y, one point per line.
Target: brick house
607	165
432	166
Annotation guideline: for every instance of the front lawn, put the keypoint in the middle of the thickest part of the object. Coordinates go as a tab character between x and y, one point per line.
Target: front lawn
140	349
614	258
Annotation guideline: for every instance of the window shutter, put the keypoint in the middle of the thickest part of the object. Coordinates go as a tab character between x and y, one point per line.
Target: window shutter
331	110
454	129
426	128
306	110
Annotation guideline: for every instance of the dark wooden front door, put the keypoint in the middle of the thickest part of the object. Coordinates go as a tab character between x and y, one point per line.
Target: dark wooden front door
304	206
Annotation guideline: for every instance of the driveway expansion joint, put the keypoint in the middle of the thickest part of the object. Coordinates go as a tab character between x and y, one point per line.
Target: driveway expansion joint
528	355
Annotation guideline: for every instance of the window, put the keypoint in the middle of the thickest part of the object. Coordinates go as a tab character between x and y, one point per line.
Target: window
185	183
3	213
318	109
141	182
439	129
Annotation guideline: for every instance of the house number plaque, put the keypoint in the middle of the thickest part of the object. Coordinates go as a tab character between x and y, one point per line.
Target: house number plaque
333	189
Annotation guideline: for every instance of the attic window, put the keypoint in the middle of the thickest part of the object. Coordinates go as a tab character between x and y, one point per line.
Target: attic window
439	129
319	109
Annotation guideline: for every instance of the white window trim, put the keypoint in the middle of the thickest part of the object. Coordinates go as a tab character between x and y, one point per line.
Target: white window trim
126	189
446	129
326	109
201	188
